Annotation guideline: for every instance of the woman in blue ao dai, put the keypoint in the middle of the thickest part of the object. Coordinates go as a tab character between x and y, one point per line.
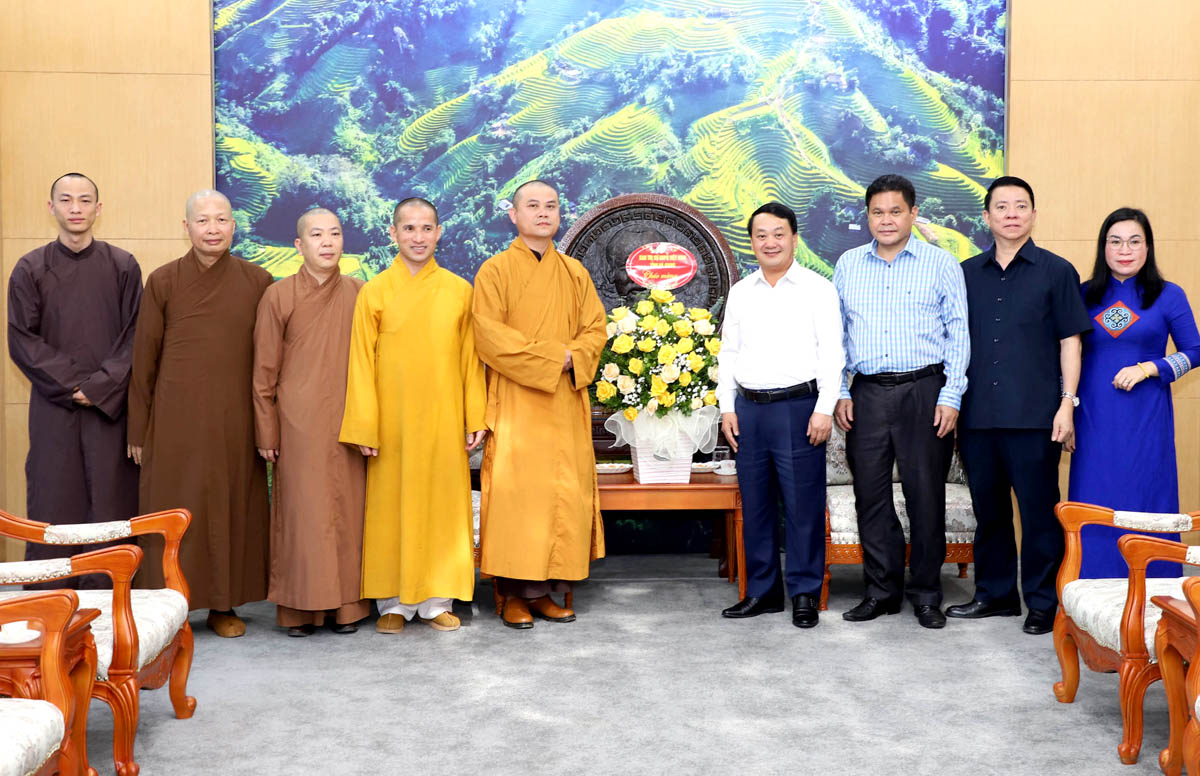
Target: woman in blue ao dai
1125	425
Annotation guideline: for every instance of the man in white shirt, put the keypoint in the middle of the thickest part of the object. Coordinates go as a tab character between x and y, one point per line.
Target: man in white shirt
779	376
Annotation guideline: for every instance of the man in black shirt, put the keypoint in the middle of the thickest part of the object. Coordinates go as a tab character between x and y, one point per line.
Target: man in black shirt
1025	315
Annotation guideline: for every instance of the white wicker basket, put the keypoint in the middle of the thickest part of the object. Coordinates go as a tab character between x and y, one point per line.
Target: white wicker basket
648	469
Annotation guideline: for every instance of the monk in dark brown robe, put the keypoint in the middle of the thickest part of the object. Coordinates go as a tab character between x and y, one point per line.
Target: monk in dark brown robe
72	305
191	414
301	348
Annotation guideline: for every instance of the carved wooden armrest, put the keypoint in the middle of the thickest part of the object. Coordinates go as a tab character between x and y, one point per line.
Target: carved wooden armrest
172	524
1191	591
1074	515
52	610
1138	552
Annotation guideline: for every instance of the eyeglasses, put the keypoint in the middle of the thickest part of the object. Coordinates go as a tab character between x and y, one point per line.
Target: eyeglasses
1135	242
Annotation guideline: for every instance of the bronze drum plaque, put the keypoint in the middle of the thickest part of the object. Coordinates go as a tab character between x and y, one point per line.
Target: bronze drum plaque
606	236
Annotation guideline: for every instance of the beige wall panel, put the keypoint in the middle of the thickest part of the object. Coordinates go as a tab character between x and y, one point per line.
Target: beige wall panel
1093	147
15	449
1187	450
11	549
151	147
106	37
1103	40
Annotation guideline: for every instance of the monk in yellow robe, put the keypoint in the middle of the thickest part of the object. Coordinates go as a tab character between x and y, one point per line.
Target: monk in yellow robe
301	347
539	327
415	387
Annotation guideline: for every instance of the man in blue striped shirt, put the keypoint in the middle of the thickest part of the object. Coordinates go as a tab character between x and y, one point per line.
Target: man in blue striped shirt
904	314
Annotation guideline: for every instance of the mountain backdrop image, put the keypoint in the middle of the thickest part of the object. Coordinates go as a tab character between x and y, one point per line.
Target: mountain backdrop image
724	104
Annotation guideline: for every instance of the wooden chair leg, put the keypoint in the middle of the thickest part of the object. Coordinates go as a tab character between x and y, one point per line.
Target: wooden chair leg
825	589
1191	749
730	550
1170	760
82	679
184	704
1068	660
962	571
1135	678
122	699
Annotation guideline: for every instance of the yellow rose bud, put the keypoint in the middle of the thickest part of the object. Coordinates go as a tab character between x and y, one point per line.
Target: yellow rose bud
670	373
676	308
605	390
685	345
645	345
657	385
611	329
661	295
699	314
611	371
666	354
695	362
710	398
644	307
663	328
619	312
713	345
648	323
630	414
622	344
685	379
667	400
635	366
683	327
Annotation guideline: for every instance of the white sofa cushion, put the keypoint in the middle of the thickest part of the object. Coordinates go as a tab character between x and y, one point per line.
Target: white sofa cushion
157	614
843	519
30	734
1096	606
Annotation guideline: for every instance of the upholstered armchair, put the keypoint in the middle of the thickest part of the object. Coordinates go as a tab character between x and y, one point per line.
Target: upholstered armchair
1191	731
1112	622
142	636
842	543
43	732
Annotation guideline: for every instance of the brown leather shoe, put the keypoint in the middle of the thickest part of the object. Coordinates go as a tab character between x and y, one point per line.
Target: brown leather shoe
444	622
390	623
548	610
516	613
227	625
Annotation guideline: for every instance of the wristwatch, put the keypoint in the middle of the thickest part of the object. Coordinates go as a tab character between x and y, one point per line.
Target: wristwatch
1068	395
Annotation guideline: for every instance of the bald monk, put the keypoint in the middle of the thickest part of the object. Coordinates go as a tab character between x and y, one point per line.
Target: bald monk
301	343
415	392
191	414
72	305
539	326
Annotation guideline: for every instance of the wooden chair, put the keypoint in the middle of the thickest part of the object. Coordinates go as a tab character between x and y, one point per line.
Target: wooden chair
1191	731
1111	621
142	637
1176	643
43	731
842	542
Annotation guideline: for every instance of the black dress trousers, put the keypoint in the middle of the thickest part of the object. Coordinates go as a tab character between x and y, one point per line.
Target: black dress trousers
894	424
1024	461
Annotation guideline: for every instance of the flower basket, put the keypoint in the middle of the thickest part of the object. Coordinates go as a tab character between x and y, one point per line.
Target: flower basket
649	468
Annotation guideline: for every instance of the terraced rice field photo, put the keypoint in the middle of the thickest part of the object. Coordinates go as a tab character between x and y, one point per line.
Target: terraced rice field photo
724	104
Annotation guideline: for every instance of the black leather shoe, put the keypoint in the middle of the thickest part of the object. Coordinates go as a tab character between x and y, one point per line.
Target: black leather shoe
870	608
804	611
929	616
752	607
1039	621
978	609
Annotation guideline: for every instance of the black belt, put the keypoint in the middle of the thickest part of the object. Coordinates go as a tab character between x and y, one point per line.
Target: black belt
896	378
778	394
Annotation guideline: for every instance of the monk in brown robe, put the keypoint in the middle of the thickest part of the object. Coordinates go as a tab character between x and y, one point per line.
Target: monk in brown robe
301	348
191	414
72	305
539	327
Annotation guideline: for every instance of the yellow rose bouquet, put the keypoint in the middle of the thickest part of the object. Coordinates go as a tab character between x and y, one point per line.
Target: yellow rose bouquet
658	373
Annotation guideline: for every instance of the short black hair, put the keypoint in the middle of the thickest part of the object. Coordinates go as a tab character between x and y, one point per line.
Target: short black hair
75	175
777	209
517	191
892	182
1007	180
415	201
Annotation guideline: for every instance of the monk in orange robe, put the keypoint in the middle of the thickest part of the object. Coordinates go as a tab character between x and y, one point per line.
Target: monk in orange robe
539	327
301	347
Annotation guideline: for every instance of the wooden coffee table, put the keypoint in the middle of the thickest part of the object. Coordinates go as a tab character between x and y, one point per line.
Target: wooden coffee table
1175	642
704	492
20	676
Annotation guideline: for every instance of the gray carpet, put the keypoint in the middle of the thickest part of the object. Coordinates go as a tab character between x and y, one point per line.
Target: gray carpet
649	680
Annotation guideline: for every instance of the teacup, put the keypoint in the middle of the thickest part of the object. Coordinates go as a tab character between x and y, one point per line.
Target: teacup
727	467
